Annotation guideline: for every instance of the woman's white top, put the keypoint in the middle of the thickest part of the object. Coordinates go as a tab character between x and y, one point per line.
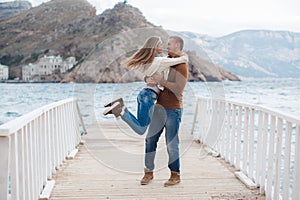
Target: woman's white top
159	65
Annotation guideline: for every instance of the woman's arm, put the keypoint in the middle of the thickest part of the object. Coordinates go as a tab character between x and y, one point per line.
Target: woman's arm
168	62
162	64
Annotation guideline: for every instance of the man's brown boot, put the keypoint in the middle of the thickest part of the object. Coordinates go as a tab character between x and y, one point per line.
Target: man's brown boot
148	176
173	180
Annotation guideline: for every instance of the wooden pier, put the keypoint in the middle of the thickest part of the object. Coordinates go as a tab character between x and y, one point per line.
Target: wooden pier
259	145
109	165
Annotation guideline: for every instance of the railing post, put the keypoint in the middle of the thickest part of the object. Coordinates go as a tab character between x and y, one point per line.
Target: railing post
223	128
246	140
21	169
287	160
48	144
259	147
233	137
239	137
278	161
270	170
35	156
4	164
296	185
251	143
14	163
228	130
195	116
264	153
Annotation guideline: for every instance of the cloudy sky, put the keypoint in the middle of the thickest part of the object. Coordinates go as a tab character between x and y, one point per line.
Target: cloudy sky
213	17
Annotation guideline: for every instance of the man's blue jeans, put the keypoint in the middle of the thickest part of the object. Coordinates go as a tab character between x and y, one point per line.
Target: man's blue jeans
170	120
145	100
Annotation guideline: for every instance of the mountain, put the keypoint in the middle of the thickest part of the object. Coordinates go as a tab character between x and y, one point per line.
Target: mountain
253	53
204	70
56	26
99	42
10	9
104	63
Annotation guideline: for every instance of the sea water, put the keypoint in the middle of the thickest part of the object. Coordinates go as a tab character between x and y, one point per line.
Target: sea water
18	99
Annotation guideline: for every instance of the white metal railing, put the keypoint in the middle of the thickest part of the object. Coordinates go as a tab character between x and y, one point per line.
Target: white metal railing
261	143
34	145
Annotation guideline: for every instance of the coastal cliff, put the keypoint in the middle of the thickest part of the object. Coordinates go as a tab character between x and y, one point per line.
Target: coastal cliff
99	42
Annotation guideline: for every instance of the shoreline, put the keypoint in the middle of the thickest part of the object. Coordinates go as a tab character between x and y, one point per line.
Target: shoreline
21	81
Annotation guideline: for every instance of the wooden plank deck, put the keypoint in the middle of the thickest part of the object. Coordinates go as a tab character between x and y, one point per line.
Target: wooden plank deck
110	165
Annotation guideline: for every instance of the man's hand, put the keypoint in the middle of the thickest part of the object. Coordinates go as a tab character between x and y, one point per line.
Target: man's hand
150	81
158	77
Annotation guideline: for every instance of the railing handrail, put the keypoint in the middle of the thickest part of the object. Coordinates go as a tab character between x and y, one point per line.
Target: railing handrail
11	126
273	111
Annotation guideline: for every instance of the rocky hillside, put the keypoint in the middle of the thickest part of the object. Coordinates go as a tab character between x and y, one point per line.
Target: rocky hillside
10	9
104	63
204	70
56	26
72	28
254	53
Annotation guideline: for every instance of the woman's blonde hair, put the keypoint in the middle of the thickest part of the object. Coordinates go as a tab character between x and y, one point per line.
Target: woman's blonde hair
145	55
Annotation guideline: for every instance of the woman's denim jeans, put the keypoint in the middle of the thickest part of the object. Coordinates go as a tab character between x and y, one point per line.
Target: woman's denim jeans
145	100
170	120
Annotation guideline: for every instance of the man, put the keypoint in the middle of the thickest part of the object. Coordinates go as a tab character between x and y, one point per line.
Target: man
167	115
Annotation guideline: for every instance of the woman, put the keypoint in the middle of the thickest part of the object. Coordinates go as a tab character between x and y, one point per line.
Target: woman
146	60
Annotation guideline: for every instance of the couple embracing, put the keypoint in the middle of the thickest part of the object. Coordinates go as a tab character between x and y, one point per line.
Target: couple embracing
160	103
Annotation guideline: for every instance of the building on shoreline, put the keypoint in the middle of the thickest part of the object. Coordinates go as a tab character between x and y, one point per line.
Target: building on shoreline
45	66
3	72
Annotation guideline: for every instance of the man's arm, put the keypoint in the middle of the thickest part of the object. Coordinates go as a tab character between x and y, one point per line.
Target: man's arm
180	80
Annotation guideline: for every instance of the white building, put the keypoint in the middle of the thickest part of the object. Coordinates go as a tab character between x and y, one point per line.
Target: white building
47	65
3	72
29	71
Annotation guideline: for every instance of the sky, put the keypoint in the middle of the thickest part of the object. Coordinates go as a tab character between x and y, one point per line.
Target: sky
213	17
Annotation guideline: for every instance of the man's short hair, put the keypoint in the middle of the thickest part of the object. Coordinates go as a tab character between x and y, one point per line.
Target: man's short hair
178	40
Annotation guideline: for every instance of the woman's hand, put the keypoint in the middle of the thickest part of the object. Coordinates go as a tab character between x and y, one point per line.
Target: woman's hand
158	77
150	81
